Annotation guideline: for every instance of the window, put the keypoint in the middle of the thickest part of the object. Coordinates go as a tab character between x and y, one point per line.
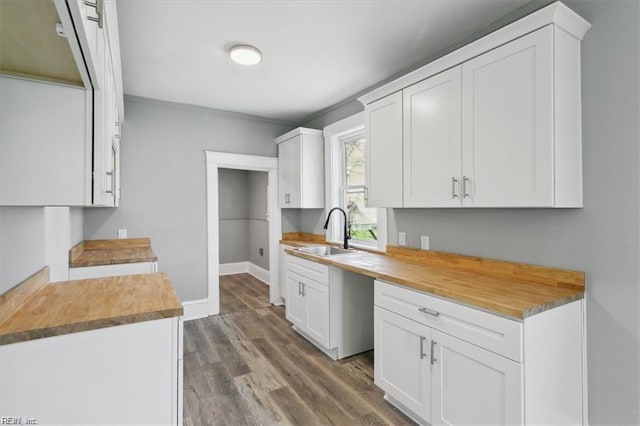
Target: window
345	185
363	220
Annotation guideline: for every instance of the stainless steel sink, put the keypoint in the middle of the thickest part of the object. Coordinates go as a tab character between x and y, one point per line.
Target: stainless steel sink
324	251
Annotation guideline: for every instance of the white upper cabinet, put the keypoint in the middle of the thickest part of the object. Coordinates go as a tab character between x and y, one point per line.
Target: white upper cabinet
71	156
383	156
301	169
507	139
432	141
496	123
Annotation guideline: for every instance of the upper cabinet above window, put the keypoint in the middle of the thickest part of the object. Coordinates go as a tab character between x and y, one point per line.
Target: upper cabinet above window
496	123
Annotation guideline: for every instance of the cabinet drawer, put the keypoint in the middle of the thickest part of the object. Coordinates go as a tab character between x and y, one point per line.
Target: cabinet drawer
316	271
497	334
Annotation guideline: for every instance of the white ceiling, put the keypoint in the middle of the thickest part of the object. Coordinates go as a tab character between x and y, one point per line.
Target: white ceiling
316	53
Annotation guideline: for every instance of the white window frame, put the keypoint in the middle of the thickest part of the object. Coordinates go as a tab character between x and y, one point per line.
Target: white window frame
334	172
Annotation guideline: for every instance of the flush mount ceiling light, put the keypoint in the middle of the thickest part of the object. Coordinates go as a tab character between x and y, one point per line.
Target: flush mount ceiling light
245	54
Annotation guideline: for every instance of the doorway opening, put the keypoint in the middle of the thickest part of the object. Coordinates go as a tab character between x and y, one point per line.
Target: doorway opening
217	163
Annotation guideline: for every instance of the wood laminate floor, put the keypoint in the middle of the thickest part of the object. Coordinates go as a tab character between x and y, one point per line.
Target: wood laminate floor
247	366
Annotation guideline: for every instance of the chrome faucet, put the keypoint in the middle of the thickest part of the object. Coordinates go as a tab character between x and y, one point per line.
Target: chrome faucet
347	226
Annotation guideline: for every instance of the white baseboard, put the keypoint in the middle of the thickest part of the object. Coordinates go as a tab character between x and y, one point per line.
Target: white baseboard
244	268
259	272
194	309
234	268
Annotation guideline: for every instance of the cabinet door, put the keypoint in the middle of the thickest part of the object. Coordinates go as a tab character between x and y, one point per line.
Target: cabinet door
284	173
471	385
316	299
89	30
103	157
402	364
295	308
432	141
507	137
383	168
295	185
289	158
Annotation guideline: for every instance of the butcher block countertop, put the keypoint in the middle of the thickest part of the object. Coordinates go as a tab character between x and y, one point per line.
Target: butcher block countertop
508	289
111	252
37	308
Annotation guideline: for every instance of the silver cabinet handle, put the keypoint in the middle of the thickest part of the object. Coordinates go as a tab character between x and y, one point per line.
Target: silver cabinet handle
303	287
98	6
110	191
422	354
299	288
453	188
465	180
366	194
433	352
429	311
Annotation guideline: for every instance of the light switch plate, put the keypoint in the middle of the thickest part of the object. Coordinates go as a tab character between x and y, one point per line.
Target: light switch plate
402	238
122	233
424	242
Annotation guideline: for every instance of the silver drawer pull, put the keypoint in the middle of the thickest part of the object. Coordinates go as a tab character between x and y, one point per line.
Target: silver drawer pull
429	311
422	354
433	353
465	181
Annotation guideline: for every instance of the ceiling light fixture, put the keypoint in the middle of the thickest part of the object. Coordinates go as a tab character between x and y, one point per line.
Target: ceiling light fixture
245	54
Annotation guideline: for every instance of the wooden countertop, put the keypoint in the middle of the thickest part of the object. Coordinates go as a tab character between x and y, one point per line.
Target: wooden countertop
508	289
111	252
37	308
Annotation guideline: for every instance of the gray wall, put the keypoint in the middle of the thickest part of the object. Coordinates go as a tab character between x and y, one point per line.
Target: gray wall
244	229
290	220
22	244
257	219
33	237
601	239
76	225
163	180
233	208
312	220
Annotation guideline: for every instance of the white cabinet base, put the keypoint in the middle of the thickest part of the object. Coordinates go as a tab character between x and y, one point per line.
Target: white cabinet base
330	307
112	270
126	374
533	374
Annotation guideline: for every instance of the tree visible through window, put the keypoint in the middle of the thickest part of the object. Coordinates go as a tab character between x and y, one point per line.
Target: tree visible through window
363	219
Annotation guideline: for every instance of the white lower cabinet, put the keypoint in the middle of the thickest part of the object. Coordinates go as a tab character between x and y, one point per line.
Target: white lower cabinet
330	307
471	385
316	301
308	307
112	270
402	362
125	374
443	363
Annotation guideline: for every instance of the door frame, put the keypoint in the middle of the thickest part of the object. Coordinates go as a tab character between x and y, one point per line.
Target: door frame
225	160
